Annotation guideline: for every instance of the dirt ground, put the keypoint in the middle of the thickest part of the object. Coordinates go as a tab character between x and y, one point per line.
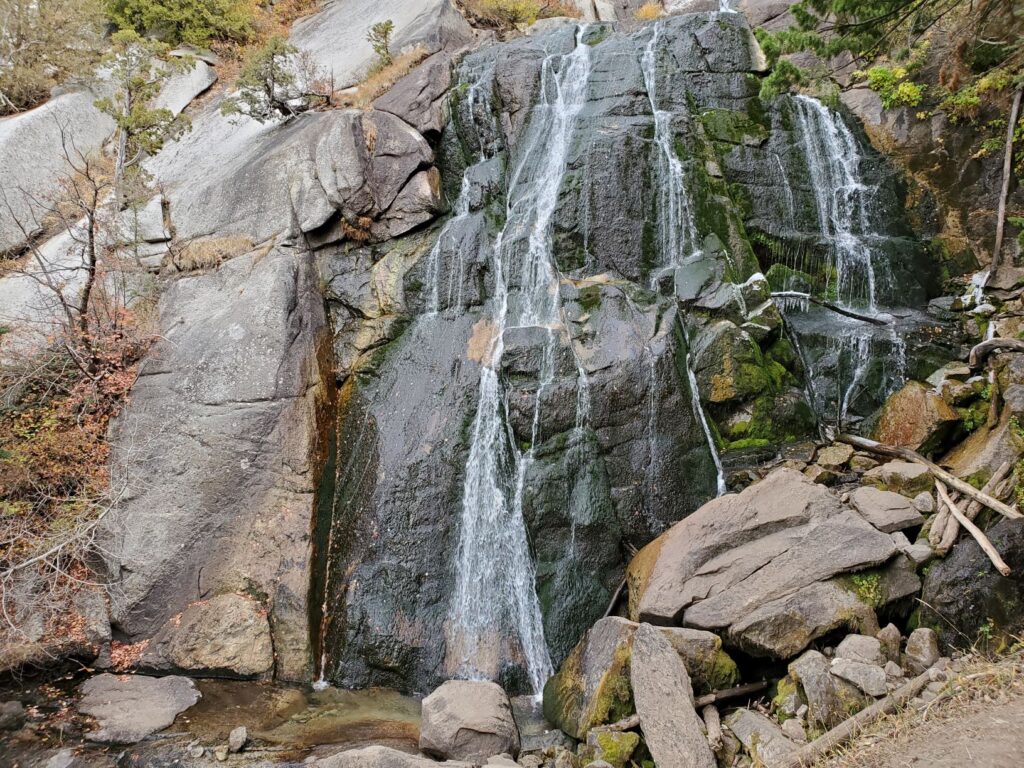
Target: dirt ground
977	723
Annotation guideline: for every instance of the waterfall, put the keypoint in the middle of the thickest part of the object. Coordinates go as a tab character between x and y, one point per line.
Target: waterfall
677	231
833	160
495	593
843	204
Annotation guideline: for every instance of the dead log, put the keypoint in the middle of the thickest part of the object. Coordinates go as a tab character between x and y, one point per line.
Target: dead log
847	729
625	724
1004	192
952	529
976	532
615	599
940	524
747	689
713	724
829	305
980	352
949	479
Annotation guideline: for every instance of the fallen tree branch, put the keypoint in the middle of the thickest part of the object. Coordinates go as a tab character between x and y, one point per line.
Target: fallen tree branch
615	599
713	723
625	724
952	529
940	524
1004	192
829	305
980	352
975	531
940	474
746	689
849	728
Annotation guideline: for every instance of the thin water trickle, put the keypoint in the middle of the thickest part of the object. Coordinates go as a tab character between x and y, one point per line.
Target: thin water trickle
677	231
495	593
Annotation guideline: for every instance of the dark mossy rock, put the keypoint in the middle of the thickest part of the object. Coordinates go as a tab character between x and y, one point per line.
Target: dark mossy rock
965	599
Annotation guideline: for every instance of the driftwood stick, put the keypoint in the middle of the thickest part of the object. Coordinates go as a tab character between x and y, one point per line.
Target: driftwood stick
615	599
980	352
713	723
847	729
829	305
1004	192
949	479
625	724
940	524
729	693
975	531
952	529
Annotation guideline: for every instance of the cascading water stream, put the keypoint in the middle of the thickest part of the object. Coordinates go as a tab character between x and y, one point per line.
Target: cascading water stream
842	205
677	230
495	592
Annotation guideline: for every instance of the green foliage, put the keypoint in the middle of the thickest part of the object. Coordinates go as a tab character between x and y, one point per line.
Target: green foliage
137	79
379	38
277	80
42	44
785	76
892	85
196	22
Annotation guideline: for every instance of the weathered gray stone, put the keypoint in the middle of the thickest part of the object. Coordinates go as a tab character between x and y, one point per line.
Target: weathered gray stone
792	730
128	708
902	477
418	98
893	670
830	700
226	635
834	456
336	35
710	668
468	720
238	738
918	553
183	85
867	650
890	640
764	740
32	160
885	510
756	565
664	702
924	503
379	757
922	650
870	678
228	400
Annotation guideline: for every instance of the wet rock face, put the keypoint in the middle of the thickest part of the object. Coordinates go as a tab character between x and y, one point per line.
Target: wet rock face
966	591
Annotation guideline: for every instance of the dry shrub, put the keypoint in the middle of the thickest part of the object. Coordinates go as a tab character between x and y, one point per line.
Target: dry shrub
648	12
381	79
289	11
509	14
208	252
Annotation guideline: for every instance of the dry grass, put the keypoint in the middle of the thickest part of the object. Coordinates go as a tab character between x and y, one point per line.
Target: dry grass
506	15
380	80
208	252
648	12
980	694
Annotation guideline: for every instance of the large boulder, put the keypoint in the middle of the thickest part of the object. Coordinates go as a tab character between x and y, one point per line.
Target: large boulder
672	729
592	687
830	699
750	563
226	635
379	757
216	457
128	708
885	510
468	720
965	599
32	159
916	417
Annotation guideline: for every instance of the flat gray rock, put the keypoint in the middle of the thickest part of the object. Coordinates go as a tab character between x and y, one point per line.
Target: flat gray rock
128	708
664	702
379	757
862	648
764	740
183	85
868	677
885	510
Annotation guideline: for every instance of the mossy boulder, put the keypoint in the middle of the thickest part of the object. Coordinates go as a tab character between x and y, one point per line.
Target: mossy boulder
729	364
592	687
710	667
613	747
